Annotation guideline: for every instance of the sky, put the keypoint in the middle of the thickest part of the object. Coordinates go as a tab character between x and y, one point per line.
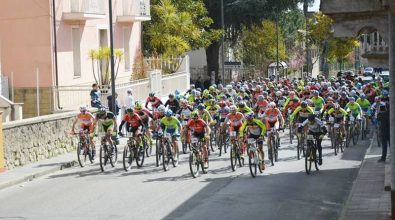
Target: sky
315	7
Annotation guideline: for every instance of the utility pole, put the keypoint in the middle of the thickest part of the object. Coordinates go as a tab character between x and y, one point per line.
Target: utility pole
223	42
112	58
305	10
277	58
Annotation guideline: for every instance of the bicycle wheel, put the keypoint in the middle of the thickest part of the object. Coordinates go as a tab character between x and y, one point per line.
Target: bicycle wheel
148	149
348	137
114	155
211	142
82	154
291	135
220	143
272	150
276	149
204	169
128	157
334	142
239	157
184	147
354	136
260	161
175	156
165	157
252	163
308	160
233	157
140	155
298	148
158	153
378	138
194	164
103	157
315	157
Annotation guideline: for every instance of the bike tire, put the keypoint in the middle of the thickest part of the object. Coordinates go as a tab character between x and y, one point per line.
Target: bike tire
252	164
184	147
315	159
173	156
194	164
128	157
81	156
354	136
291	135
114	156
211	143
158	154
103	158
233	157
334	142
204	169
140	155
308	159
165	158
298	149
260	161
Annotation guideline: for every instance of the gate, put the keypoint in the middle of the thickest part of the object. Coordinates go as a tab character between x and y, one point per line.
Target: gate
156	82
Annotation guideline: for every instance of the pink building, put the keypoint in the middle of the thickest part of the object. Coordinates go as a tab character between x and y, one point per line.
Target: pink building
28	45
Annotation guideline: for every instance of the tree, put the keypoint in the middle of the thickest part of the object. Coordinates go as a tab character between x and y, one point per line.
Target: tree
259	46
178	26
239	14
100	60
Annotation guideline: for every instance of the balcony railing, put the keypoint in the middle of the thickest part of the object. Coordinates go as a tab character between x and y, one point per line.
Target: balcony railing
84	9
135	10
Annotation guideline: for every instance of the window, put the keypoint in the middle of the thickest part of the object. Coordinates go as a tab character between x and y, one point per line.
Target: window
126	48
76	51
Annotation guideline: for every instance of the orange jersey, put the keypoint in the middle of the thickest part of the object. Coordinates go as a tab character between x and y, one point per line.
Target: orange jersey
86	119
197	126
272	115
235	120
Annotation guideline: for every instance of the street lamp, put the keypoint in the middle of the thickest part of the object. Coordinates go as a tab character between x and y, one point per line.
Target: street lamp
112	58
223	42
277	58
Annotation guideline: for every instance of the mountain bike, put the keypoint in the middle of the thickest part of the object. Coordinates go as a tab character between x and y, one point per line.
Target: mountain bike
254	156
235	151
133	151
84	151
273	145
108	151
196	157
311	153
167	149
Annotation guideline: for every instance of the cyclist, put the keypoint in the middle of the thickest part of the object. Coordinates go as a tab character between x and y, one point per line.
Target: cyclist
171	125
339	114
317	128
243	108
318	101
204	114
86	124
234	118
172	103
133	125
153	100
260	105
256	130
365	106
107	123
343	100
200	130
273	118
354	108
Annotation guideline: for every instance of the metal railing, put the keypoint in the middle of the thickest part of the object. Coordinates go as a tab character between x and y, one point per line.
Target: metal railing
87	6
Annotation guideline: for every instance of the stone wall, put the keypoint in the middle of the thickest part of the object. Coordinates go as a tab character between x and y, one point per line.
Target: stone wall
30	140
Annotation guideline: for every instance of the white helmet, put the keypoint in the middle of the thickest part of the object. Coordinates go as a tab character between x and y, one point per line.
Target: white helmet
162	108
271	105
83	108
129	91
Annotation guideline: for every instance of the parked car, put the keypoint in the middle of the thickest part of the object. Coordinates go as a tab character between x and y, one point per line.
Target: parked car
368	71
366	79
385	75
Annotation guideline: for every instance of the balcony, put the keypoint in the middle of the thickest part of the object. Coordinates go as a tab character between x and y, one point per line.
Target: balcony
134	11
81	10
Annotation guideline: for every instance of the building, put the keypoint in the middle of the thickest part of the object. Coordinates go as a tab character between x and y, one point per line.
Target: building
40	50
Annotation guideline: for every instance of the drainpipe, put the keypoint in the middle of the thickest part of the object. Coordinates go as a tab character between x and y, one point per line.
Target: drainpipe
55	47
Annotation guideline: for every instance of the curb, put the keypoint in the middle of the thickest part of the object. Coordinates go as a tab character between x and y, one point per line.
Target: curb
31	177
346	204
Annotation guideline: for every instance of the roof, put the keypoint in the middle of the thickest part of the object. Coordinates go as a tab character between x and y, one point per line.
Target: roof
280	64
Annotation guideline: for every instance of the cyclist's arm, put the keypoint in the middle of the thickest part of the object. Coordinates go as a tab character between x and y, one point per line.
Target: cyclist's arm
310	110
297	110
262	126
286	103
242	128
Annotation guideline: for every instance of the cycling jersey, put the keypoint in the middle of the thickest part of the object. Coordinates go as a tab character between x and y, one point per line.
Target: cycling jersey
170	126
155	102
235	119
302	113
244	110
134	120
255	126
196	126
340	113
205	116
85	119
364	103
272	115
354	108
315	127
318	102
185	113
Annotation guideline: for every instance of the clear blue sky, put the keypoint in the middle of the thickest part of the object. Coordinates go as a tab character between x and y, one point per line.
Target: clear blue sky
315	7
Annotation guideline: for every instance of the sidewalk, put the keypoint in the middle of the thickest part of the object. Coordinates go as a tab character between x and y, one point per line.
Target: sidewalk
31	171
368	199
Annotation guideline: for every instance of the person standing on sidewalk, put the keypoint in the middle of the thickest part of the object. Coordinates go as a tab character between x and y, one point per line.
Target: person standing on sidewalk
129	101
383	117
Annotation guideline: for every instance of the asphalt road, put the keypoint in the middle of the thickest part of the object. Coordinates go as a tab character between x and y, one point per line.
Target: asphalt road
283	191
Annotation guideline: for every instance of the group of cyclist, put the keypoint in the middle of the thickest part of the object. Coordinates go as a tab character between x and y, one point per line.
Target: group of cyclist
250	108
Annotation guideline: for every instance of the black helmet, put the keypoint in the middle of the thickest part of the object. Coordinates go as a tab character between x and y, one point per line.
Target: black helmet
311	117
304	104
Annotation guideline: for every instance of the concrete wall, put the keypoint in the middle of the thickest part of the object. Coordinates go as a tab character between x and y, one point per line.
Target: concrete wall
30	140
28	96
2	162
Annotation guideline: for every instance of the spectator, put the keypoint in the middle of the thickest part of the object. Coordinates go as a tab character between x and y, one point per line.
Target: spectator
95	96
383	118
110	104
129	101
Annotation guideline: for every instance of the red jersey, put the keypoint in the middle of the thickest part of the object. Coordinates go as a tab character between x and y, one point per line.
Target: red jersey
196	126
134	120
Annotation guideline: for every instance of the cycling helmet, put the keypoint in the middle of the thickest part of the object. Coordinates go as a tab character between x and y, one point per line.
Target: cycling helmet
384	92
279	93
169	113
304	104
211	101
222	104
83	108
353	93
211	88
362	96
130	110
177	92
171	95
194	115
206	92
249	115
271	105
377	98
162	108
260	98
264	93
233	109
102	110
138	105
239	98
311	117
344	94
316	93
351	99
229	87
200	106
226	109
198	93
151	94
295	99
242	105
292	93
336	106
